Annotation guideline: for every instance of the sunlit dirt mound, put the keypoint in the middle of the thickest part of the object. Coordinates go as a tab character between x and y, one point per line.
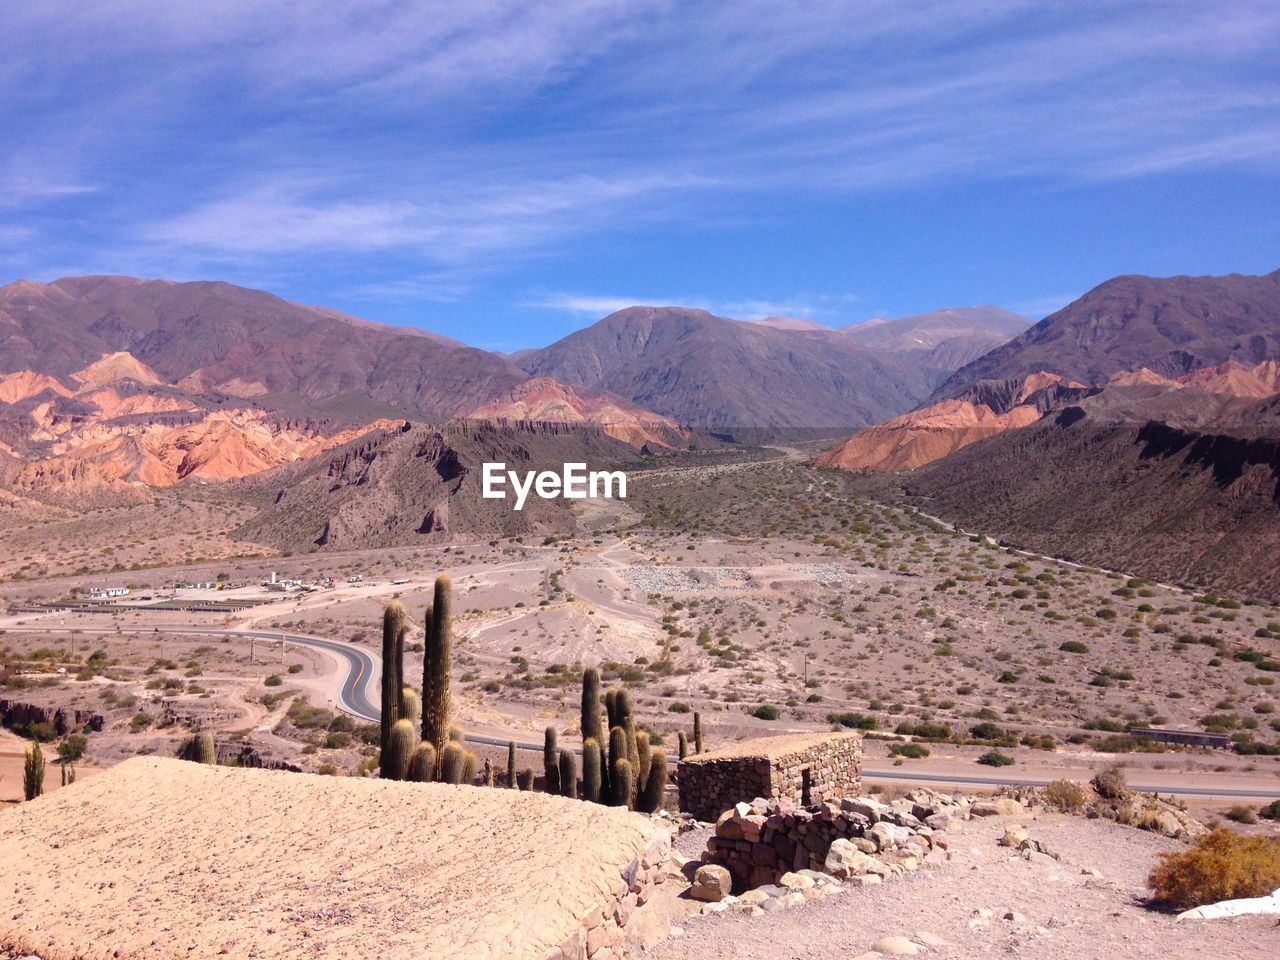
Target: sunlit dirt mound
169	859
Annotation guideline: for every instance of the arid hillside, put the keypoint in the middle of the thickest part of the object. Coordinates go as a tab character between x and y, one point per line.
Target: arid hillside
422	483
718	373
937	431
1148	479
944	340
217	338
1170	325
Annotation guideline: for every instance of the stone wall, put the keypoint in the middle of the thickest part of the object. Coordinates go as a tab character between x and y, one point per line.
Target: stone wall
760	842
608	931
808	768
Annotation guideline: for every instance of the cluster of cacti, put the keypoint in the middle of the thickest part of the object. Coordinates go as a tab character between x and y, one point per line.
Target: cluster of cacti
68	774
417	742
623	770
199	748
33	772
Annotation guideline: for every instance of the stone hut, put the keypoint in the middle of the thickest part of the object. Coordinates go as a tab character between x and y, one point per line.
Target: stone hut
804	768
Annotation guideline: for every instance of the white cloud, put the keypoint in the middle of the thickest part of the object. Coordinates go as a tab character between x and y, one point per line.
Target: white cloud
458	133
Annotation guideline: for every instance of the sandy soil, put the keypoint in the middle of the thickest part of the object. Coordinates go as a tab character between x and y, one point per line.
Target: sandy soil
272	865
956	911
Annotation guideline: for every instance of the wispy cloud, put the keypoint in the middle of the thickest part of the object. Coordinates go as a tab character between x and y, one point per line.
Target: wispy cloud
816	307
460	136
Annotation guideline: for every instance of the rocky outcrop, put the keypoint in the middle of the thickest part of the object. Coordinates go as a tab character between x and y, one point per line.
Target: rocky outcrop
64	719
545	399
937	431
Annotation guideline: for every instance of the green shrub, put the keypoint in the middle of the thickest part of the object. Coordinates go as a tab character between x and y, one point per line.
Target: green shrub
765	712
912	751
1073	646
855	721
994	758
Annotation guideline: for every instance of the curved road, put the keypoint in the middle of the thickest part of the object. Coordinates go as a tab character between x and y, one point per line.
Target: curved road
356	696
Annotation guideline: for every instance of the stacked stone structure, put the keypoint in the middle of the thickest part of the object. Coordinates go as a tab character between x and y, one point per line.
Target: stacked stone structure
804	769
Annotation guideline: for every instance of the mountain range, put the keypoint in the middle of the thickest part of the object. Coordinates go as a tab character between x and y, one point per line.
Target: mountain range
1159	387
1171	325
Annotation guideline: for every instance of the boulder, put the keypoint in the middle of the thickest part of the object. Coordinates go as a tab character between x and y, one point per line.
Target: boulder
997	807
1013	836
846	860
896	947
711	883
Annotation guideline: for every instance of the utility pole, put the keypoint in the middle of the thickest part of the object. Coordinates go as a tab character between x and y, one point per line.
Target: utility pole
282	647
253	650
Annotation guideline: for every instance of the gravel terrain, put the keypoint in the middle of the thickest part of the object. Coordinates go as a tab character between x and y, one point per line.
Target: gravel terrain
1062	912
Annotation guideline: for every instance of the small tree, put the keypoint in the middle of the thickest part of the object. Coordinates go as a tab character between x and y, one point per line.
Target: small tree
72	748
33	773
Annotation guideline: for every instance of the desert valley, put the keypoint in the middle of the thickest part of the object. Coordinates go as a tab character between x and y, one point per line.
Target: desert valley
187	554
639	480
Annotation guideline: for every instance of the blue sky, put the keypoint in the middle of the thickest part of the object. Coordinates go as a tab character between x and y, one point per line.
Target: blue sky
508	172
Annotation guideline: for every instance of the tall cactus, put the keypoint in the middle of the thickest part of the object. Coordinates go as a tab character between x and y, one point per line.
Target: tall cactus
410	706
684	745
511	764
393	623
551	761
642	758
618	751
591	723
627	722
654	785
623	783
422	765
524	779
33	772
437	664
402	744
199	748
568	774
470	767
591	765
697	732
453	765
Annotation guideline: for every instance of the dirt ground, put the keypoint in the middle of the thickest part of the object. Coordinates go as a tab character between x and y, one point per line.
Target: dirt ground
280	865
956	911
721	587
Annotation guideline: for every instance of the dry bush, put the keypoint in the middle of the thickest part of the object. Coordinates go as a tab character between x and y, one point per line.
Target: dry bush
1065	795
1110	784
1221	865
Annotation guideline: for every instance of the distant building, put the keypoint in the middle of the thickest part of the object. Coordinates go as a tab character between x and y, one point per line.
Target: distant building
108	592
1186	738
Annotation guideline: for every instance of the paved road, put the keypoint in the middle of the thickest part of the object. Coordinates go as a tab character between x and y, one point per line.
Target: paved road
997	781
356	696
